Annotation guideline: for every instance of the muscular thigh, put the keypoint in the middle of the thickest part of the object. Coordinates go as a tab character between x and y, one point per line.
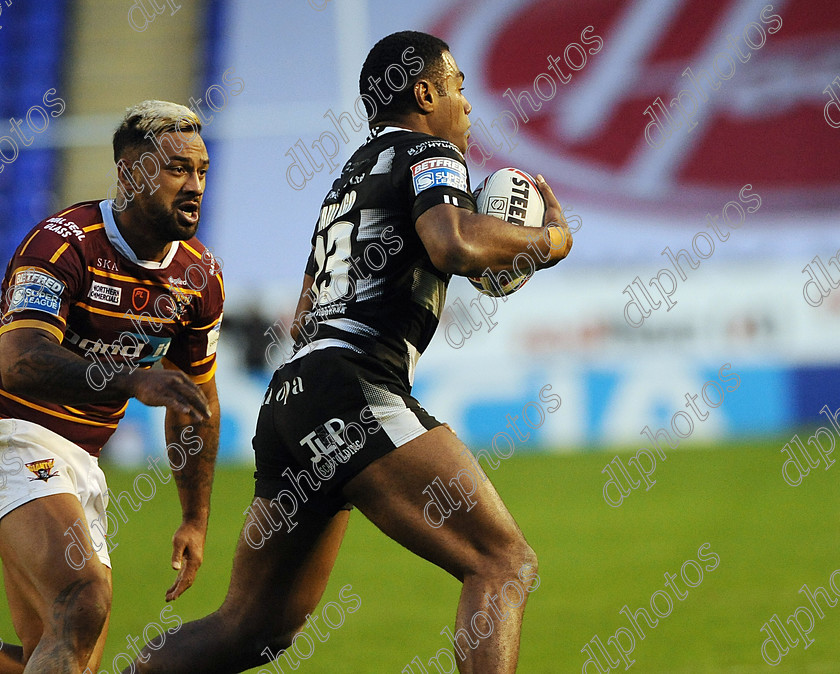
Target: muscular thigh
33	547
25	617
403	494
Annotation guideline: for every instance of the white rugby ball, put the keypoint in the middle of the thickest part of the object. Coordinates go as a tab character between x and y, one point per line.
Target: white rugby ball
512	195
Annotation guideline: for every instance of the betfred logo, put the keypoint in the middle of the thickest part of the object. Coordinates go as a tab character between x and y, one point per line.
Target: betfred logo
428	164
39	277
660	106
439	171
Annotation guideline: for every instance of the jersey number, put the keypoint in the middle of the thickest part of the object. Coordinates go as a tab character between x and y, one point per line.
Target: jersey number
332	255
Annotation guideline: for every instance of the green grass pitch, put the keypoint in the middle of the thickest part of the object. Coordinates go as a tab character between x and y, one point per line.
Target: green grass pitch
771	539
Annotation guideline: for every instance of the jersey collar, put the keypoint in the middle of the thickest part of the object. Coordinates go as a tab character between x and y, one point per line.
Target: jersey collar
118	242
378	131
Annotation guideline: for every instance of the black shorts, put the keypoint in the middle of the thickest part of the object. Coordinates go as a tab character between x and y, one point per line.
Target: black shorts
325	417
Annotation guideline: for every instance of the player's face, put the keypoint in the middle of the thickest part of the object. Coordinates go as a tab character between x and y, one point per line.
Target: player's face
172	211
452	115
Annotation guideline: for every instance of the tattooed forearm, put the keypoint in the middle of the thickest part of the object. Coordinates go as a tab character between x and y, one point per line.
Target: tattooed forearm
34	364
44	364
192	450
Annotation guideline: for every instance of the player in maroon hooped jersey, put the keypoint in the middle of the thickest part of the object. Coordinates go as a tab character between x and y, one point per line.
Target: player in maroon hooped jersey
95	296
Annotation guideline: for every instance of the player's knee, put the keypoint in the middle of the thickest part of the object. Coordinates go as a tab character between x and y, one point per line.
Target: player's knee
505	561
94	606
530	558
254	646
283	641
521	556
80	610
250	635
525	560
520	572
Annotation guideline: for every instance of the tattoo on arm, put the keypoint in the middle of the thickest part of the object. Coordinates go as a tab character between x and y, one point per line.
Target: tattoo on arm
55	374
194	446
48	365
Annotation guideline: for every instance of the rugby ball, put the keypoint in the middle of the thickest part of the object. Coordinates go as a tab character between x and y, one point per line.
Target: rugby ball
512	195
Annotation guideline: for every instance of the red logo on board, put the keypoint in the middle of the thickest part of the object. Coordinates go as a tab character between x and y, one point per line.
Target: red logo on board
748	81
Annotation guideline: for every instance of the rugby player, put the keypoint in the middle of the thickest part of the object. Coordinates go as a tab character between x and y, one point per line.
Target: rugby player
92	298
367	319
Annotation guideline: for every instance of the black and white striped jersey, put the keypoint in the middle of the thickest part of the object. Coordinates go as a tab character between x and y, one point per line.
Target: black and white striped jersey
376	291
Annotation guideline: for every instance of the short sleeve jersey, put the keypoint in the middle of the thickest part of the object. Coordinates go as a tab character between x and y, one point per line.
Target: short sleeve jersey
376	290
75	277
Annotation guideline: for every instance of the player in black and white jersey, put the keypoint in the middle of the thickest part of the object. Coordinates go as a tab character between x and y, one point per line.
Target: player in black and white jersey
374	286
339	425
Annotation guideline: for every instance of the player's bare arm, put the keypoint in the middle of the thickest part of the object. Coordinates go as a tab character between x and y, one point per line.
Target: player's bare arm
304	306
465	243
459	241
194	482
33	362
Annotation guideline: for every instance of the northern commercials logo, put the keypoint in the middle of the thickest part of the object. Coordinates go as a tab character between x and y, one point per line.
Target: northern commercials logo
574	103
102	292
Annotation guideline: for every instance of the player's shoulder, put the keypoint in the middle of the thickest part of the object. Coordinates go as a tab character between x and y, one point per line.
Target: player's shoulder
193	251
428	161
73	222
419	154
401	155
421	145
410	144
69	227
196	267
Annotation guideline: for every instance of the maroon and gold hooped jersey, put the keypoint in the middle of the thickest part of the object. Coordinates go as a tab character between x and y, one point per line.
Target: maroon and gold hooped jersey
75	277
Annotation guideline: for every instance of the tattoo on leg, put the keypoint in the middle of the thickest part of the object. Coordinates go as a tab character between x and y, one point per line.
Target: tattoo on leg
64	608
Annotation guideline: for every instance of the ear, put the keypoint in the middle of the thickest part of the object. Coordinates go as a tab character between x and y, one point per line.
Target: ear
127	185
425	96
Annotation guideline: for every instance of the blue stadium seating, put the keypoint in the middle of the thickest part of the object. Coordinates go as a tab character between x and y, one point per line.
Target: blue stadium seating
32	50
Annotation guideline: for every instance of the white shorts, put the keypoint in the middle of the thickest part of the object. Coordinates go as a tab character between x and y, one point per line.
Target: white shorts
35	462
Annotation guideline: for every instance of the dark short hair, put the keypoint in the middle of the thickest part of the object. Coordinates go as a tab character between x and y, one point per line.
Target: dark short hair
152	117
391	50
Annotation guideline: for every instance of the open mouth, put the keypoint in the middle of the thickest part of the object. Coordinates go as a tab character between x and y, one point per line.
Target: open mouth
189	211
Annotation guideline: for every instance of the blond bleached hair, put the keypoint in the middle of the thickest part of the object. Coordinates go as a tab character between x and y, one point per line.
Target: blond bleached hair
149	119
